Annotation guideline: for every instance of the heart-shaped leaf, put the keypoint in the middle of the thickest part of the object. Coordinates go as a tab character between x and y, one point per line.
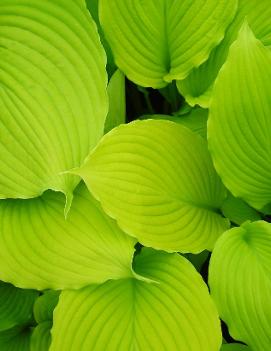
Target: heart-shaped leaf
40	249
52	94
173	313
240	282
157	179
156	41
239	120
197	87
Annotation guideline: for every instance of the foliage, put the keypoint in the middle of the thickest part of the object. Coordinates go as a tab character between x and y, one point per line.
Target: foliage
135	151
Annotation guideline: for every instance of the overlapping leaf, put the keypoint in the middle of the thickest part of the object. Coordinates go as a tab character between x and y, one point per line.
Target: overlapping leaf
234	347
45	305
239	128
41	337
173	313
197	87
157	179
15	339
156	41
16	305
117	104
240	282
40	249
52	94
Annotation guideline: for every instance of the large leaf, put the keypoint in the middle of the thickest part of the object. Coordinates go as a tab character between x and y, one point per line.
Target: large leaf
52	94
40	249
15	339
240	282
173	313
41	337
197	87
157	179
239	120
156	41
16	305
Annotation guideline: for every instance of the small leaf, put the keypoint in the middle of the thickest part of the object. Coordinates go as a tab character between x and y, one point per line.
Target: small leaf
40	249
52	95
240	282
238	211
173	313
157	180
239	121
41	337
44	306
234	347
117	104
15	305
197	87
154	42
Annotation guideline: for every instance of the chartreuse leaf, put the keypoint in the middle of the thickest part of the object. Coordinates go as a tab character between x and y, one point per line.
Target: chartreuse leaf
234	347
16	305
240	282
117	104
15	339
40	249
238	211
196	120
41	337
45	305
173	313
197	87
156	41
239	121
157	179
52	94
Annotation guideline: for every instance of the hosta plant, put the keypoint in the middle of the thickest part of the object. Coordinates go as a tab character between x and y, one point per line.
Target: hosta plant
135	168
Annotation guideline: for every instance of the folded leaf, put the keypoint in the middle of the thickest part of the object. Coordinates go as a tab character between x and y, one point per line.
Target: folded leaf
16	305
197	87
240	282
52	94
40	249
156	41
157	179
239	121
173	313
41	337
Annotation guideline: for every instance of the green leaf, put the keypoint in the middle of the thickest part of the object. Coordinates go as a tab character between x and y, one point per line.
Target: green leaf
234	347
239	211
44	306
41	337
195	119
15	305
156	41
157	180
240	282
52	95
15	339
173	313
117	104
40	249
197	87
239	121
